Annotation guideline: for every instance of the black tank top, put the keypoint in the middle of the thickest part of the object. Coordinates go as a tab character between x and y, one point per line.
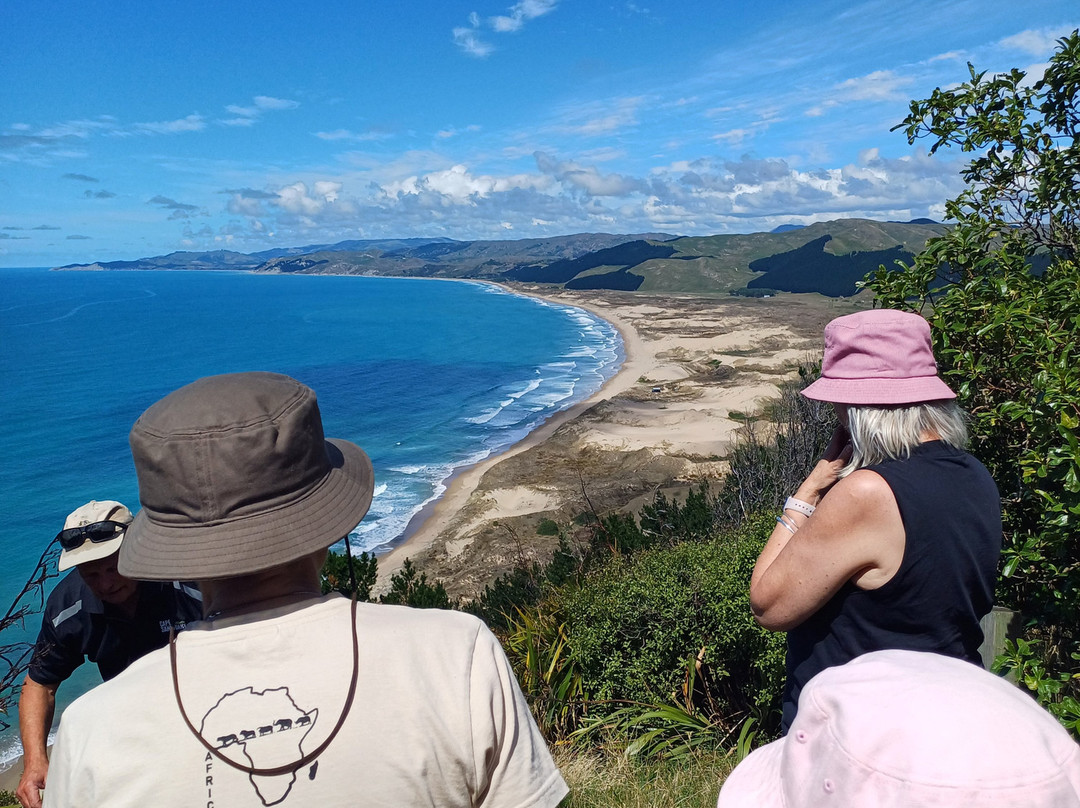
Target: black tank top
952	521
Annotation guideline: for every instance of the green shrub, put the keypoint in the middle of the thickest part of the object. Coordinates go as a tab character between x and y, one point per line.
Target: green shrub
536	645
409	589
523	587
634	625
667	521
335	574
547	527
660	522
1005	330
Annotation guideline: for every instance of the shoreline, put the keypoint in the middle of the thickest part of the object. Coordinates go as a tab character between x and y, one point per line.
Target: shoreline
435	516
694	368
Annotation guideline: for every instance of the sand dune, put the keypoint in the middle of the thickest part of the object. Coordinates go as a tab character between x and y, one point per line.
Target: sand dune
694	368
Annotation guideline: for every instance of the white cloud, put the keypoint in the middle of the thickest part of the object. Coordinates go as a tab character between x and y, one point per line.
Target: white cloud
604	154
469	41
81	129
763	118
706	195
249	115
600	118
733	136
346	134
469	38
820	109
951	56
1036	43
268	102
451	131
520	13
457	186
191	123
881	85
420	192
327	190
587	178
180	210
296	199
239	205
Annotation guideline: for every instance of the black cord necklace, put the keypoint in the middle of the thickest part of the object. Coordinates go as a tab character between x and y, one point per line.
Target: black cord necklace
288	768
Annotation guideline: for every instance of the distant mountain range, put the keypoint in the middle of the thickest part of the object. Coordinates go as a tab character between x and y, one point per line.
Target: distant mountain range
826	257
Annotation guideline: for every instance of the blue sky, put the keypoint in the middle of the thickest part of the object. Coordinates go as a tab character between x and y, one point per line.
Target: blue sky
130	129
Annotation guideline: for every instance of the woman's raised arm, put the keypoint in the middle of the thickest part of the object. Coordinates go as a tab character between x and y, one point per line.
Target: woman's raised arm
855	534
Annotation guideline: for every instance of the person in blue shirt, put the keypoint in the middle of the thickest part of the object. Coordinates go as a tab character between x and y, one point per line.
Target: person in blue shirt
94	614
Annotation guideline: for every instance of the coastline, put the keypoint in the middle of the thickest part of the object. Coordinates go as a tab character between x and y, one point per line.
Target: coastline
692	368
426	525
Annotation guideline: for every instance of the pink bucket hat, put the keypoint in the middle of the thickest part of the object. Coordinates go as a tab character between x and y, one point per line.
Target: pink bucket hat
897	729
881	356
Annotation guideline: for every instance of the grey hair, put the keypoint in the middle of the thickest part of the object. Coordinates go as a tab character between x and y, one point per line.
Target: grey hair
891	432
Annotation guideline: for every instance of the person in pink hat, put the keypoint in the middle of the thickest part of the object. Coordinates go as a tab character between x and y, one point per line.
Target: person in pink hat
893	540
898	729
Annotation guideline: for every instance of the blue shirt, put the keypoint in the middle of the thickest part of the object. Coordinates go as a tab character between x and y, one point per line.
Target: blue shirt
77	626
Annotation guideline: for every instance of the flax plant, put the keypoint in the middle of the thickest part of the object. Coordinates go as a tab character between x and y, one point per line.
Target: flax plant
536	643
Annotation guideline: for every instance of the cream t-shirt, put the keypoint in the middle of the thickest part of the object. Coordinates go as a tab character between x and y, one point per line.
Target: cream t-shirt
437	720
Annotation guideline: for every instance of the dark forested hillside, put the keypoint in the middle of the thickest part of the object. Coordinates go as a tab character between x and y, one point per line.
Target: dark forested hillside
811	269
625	255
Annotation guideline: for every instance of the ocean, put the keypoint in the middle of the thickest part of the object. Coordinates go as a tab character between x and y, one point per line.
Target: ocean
427	376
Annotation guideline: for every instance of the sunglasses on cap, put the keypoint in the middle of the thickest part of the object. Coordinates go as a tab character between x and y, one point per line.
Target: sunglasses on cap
71	538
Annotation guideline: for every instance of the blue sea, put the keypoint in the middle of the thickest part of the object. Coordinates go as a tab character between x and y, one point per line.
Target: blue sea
427	376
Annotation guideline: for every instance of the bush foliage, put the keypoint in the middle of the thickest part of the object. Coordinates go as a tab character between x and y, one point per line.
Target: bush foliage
1006	326
641	621
407	587
643	632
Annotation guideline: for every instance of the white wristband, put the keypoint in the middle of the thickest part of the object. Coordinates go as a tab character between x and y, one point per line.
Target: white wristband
797	505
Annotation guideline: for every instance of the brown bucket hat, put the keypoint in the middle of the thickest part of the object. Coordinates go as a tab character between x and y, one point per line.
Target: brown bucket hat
235	477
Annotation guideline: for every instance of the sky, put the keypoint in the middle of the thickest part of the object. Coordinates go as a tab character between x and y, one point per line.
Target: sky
130	129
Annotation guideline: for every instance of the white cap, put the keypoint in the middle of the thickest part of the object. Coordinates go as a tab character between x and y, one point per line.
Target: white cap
105	511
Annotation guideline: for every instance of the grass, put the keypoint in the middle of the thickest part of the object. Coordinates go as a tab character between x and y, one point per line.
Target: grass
739	415
618	782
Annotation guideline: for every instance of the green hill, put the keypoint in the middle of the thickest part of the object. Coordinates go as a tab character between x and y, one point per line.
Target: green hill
826	257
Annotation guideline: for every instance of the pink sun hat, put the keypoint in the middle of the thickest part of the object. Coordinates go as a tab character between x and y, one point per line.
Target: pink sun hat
896	729
881	356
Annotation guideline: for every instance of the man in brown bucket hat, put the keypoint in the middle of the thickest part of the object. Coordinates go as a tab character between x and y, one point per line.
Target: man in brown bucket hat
284	696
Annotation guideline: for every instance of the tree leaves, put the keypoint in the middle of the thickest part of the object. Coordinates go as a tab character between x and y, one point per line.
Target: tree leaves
1006	323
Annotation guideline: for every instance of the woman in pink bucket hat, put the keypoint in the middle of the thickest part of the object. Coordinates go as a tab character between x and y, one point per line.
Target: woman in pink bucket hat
900	729
892	541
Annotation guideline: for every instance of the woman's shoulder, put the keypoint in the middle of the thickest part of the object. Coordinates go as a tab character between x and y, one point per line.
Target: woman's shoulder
865	483
862	497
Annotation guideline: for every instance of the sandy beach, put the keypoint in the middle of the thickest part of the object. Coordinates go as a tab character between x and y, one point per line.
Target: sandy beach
694	367
9	778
